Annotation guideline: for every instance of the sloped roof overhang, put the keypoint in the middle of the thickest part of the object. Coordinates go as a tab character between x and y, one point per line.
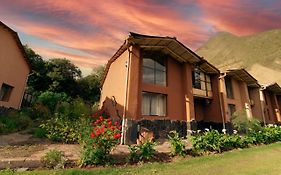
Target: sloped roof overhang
168	45
243	75
273	87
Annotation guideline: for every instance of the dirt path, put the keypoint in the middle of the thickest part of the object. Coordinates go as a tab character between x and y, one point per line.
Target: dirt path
23	150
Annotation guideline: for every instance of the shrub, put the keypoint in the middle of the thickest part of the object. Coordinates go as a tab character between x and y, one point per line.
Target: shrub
213	141
51	99
40	133
243	124
100	141
68	122
54	159
142	152
177	145
14	121
266	135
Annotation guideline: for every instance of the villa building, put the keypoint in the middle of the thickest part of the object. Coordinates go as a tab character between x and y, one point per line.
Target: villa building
14	68
160	84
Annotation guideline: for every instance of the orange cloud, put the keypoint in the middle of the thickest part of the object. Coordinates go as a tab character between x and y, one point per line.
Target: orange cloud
241	17
96	29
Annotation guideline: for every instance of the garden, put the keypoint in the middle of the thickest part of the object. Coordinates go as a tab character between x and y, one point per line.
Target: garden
62	128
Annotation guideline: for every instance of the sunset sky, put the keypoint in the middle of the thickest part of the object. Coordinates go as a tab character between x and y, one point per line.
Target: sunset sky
88	32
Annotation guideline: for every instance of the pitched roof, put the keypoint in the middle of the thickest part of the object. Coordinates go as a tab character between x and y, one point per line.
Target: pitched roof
19	44
168	45
273	87
243	75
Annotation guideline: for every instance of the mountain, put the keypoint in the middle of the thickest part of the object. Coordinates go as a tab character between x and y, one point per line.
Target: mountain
260	54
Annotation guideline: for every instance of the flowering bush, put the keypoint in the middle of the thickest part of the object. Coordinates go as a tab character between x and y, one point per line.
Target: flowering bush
102	139
213	141
266	135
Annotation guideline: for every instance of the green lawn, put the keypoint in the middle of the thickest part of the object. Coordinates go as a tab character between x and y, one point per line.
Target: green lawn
259	160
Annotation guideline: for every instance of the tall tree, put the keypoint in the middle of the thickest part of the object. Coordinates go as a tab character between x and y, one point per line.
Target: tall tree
37	80
89	86
63	75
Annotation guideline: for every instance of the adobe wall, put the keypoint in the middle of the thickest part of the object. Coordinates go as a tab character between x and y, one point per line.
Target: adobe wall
13	68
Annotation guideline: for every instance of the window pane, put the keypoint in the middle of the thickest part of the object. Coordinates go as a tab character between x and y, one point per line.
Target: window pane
148	62
203	85
145	108
162	105
148	75
202	76
209	86
196	80
208	78
160	64
153	104
229	89
160	78
154	68
5	92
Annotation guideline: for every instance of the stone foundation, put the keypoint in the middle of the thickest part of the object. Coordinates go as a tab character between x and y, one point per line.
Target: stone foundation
161	128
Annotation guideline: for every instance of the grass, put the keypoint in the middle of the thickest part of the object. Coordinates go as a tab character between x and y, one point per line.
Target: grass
258	160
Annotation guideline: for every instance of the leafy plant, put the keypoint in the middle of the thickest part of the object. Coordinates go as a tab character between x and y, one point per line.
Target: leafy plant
14	121
177	145
54	159
243	124
142	152
52	99
40	133
100	141
68	122
213	141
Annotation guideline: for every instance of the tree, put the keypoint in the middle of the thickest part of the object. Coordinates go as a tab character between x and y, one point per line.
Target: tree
90	85
37	80
63	75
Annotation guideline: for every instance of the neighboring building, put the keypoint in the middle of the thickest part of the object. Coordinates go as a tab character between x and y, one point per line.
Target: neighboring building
160	84
270	96
240	93
14	68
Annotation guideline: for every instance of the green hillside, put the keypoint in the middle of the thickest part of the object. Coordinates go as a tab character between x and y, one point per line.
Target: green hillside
260	54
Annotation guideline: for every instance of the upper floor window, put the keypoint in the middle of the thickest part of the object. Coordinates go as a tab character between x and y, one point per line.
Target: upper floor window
5	92
200	80
154	69
229	88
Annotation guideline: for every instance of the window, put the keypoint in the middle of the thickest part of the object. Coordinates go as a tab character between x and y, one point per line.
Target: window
229	89
200	80
5	92
231	109
153	104
154	69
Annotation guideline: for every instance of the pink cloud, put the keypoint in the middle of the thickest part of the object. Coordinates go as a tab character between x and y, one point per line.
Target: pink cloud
97	28
241	17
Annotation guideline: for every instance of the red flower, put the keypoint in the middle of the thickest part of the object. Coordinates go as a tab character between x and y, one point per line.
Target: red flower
117	136
116	123
109	123
97	121
119	127
101	118
112	128
102	130
93	135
